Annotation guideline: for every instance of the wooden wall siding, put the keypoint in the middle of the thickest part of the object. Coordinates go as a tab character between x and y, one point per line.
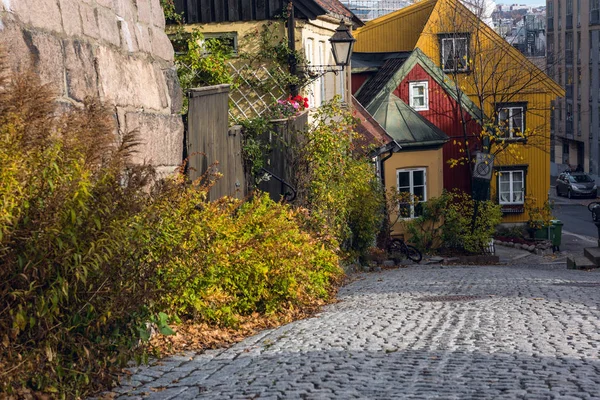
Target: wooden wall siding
206	11
397	31
279	161
211	144
444	112
359	79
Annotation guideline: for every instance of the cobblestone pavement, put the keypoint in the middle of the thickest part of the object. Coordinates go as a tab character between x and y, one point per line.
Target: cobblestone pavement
526	332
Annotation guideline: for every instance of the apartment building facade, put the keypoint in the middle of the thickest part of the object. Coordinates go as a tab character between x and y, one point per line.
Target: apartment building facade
573	60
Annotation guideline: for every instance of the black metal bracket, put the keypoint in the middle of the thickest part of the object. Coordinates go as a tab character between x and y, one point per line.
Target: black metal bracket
286	194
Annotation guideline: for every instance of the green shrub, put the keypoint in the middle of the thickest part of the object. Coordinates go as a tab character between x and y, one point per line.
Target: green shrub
92	250
337	182
454	221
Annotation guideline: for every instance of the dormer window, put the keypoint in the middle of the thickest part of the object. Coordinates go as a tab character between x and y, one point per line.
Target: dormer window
454	49
418	93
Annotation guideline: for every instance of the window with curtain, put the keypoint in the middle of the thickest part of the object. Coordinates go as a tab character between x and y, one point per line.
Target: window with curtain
413	181
511	187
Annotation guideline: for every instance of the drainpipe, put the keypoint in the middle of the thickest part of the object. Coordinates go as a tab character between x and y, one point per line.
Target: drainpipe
394	149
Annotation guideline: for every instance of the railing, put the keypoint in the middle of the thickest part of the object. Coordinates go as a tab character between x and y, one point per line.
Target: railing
287	196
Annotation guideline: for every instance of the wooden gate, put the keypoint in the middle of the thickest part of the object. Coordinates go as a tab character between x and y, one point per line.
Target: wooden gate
212	144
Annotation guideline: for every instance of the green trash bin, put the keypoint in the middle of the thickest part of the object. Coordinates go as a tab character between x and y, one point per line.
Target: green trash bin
556	234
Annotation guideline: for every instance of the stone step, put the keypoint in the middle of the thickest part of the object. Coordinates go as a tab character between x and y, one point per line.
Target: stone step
593	253
580	262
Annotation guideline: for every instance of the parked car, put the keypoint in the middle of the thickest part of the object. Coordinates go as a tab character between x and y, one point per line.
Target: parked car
594	207
573	184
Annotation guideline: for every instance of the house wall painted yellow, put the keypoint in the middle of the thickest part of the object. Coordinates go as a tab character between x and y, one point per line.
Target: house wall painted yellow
431	160
498	73
312	39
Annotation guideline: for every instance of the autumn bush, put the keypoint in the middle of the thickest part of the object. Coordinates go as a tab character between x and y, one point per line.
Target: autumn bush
454	222
337	181
93	249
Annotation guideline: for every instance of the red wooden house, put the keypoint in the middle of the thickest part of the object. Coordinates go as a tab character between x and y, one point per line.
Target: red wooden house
413	78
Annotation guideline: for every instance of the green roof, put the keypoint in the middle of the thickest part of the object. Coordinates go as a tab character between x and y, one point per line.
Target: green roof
406	126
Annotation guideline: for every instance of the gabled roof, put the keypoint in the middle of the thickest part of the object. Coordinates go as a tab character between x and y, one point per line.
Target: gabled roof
375	84
337	10
410	21
371	133
403	29
406	126
388	79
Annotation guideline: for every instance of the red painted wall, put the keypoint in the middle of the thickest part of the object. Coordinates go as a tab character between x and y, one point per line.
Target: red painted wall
444	112
359	79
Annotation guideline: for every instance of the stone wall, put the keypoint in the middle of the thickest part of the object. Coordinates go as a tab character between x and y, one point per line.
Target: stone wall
115	50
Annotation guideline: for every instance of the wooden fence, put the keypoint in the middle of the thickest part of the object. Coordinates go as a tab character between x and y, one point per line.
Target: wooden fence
279	161
212	146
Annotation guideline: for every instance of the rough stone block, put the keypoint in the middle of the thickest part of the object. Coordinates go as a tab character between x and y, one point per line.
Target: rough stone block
43	14
70	17
161	45
125	9
161	137
175	92
47	59
109	29
158	16
105	3
144	11
128	81
80	70
593	254
128	36
88	20
143	38
579	263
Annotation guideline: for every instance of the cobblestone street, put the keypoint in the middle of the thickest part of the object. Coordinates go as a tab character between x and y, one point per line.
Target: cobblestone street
515	332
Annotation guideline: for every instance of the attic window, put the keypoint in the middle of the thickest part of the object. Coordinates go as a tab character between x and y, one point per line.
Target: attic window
419	95
454	49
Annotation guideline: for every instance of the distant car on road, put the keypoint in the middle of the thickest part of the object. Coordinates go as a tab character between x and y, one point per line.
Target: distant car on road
573	184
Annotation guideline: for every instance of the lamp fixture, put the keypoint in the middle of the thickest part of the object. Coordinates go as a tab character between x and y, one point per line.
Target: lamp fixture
342	43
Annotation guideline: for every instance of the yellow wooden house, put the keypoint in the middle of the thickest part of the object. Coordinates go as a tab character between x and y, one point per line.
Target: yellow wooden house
514	94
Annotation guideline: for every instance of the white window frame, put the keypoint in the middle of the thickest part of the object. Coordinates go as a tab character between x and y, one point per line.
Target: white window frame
511	192
411	186
454	41
509	128
412	95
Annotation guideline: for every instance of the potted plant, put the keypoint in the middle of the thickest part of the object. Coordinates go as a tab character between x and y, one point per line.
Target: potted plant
539	216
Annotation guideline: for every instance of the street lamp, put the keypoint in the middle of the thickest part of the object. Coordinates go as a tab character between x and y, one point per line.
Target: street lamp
342	43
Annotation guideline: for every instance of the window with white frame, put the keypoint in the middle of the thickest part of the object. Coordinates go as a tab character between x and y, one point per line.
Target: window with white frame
308	50
511	119
511	187
414	182
455	52
418	93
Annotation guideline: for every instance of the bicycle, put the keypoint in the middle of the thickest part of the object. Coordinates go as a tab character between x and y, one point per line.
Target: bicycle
399	246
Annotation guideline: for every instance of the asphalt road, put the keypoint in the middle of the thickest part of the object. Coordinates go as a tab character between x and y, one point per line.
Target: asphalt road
574	215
